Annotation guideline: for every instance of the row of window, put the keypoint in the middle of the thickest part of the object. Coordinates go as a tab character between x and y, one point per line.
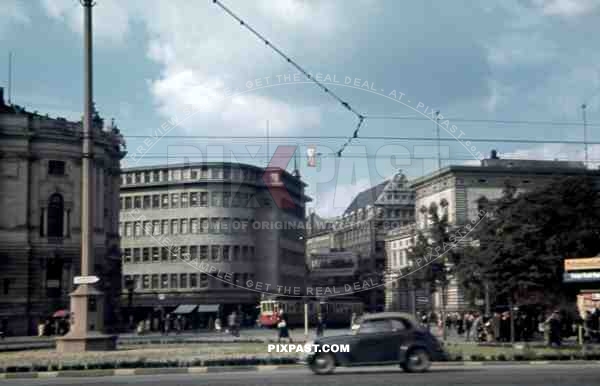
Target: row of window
184	226
186	200
189	174
191	252
185	281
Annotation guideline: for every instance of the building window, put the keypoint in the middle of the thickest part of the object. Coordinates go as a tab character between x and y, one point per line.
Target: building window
236	252
146	254
194	175
128	203
154	281
164	281
203	280
183	280
214	225
215	252
224	226
204	173
173	280
155	254
164	201
245	252
194	199
174	227
204	199
184	200
174	253
155	175
204	252
204	225
147	228
216	200
193	280
127	255
55	216
145	281
156	227
129	178
146	177
184	226
137	253
183	252
56	168
137	229
175	200
193	252
226	252
194	225
226	199
164	227
164	254
138	178
147	202
128	229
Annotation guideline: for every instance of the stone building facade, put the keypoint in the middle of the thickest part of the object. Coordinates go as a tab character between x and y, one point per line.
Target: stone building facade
464	189
226	216
40	196
363	227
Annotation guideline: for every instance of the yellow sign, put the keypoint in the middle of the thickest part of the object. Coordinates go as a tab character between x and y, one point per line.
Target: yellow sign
582	264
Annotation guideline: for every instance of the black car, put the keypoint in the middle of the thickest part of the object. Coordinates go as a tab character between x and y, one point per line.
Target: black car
379	339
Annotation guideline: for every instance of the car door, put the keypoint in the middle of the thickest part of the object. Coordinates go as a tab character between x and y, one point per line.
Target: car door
397	336
371	345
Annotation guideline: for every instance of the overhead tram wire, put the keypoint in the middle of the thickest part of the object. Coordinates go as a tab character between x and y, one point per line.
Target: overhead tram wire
326	89
377	138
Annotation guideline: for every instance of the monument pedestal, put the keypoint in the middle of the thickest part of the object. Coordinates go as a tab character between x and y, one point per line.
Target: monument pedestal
87	323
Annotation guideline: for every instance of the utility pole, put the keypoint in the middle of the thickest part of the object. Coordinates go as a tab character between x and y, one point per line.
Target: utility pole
10	56
585	141
439	146
87	311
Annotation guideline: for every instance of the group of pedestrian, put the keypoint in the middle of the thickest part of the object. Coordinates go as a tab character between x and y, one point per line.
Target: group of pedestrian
57	326
592	325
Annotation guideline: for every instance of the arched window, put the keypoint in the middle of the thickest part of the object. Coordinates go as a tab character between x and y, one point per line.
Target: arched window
55	216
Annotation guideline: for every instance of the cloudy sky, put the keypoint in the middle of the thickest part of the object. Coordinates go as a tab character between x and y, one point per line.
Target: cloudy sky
157	60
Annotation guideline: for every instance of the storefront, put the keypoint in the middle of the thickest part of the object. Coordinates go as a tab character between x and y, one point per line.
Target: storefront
583	274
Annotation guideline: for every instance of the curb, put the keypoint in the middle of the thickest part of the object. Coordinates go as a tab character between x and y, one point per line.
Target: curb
260	368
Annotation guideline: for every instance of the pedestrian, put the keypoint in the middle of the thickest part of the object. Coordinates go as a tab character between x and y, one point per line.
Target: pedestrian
178	324
496	326
40	329
282	326
320	326
554	329
218	326
353	320
231	323
167	324
468	326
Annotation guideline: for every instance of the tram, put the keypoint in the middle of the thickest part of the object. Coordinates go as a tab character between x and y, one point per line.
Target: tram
336	312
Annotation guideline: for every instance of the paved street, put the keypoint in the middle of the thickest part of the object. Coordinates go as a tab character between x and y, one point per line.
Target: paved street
563	374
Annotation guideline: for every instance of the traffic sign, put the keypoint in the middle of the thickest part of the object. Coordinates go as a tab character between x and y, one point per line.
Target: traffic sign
86	280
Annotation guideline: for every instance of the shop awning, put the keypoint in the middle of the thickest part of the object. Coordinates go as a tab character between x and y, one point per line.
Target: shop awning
185	309
208	308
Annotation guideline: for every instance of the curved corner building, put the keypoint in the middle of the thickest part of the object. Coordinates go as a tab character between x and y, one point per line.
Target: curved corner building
209	236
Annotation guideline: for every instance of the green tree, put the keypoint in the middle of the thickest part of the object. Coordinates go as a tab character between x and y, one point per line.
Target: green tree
526	238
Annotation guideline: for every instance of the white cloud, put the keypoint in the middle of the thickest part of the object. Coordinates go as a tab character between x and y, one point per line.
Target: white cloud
111	18
566	8
12	12
333	202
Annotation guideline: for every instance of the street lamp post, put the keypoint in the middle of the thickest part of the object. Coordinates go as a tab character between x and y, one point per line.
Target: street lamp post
86	301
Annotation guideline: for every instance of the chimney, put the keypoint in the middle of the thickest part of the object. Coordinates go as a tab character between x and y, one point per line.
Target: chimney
2	96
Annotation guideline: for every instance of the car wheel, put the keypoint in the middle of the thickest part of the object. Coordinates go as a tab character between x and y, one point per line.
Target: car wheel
417	361
323	364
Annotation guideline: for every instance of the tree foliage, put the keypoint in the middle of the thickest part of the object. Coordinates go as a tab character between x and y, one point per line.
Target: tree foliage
526	237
